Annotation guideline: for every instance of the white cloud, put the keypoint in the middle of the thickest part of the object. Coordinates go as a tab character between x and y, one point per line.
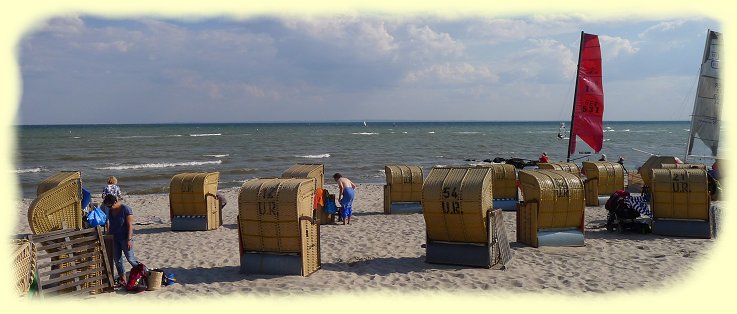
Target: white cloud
612	47
504	30
65	26
425	42
663	27
447	72
546	60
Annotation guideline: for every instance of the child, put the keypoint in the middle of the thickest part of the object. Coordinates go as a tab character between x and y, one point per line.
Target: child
112	188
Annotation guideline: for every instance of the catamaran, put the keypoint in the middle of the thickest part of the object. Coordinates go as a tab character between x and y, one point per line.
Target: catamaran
588	100
706	116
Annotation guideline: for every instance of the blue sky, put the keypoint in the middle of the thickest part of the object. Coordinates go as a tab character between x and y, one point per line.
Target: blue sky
351	67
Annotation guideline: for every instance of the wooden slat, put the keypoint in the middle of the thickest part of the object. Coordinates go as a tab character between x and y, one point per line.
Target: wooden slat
59	234
69	259
75	249
73	275
73	284
87	290
45	245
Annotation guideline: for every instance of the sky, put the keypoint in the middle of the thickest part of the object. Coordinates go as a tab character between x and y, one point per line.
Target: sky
351	67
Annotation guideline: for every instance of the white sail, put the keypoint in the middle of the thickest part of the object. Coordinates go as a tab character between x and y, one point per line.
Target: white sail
705	119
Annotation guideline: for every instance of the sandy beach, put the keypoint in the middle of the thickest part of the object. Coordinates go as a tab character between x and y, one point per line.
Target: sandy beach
383	253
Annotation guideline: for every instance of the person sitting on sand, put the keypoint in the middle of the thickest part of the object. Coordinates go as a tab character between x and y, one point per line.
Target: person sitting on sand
544	158
120	225
346	194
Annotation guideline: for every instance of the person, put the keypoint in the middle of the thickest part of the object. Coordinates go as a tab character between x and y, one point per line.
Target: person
603	157
112	188
544	158
221	199
346	194
715	170
120	226
621	162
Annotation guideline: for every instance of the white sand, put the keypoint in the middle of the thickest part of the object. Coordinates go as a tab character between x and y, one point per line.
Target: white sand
380	253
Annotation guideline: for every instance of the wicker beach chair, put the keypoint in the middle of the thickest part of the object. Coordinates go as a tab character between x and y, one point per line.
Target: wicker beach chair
193	202
504	186
461	227
680	203
602	179
317	172
403	189
23	266
552	213
276	231
58	207
570	167
654	162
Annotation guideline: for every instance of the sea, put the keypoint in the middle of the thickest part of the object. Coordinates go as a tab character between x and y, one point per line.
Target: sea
144	158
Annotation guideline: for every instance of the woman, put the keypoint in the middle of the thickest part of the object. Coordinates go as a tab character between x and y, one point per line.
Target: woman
346	194
120	225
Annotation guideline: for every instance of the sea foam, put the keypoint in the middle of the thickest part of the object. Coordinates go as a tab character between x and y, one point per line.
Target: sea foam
161	165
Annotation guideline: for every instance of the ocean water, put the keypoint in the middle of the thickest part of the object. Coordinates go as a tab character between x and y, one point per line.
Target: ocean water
145	157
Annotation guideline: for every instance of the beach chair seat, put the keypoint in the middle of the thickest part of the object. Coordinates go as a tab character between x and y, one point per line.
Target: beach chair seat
552	213
602	179
277	234
461	226
680	203
193	202
403	189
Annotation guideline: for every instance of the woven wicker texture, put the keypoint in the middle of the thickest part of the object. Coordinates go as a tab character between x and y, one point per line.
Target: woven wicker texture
59	207
24	265
654	162
503	180
608	176
56	180
405	182
195	194
455	203
270	211
559	194
682	166
307	171
570	167
680	194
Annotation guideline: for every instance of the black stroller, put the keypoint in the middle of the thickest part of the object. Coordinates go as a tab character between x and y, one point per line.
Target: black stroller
621	216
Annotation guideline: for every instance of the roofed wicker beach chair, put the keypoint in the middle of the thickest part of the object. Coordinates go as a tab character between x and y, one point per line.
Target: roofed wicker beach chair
654	162
23	266
58	204
602	179
193	202
552	211
317	172
403	189
680	203
461	226
504	186
570	167
277	234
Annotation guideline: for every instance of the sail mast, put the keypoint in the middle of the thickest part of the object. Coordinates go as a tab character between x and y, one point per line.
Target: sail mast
571	136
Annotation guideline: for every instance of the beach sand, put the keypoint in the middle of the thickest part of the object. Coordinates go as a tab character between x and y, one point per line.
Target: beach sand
383	253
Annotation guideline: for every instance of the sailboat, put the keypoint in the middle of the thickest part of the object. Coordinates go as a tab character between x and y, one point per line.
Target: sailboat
706	116
364	123
588	100
561	131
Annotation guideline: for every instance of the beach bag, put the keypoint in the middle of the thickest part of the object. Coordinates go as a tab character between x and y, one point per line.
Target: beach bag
330	207
137	278
167	279
96	217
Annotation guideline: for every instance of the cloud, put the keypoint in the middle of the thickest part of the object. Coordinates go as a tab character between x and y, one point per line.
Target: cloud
547	60
612	47
426	42
662	27
453	73
505	30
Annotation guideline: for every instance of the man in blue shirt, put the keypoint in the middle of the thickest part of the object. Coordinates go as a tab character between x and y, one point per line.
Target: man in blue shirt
120	225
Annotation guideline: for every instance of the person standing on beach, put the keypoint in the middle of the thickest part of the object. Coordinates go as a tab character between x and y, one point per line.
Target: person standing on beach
112	188
346	194
120	225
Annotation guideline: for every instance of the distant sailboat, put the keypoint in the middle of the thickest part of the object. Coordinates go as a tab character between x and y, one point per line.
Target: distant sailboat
588	101
561	131
706	116
364	123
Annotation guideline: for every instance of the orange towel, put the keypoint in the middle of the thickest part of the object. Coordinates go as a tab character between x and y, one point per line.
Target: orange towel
319	201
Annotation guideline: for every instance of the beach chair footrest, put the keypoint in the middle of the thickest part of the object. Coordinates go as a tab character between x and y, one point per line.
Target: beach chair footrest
560	238
271	263
405	208
466	254
682	228
189	223
505	204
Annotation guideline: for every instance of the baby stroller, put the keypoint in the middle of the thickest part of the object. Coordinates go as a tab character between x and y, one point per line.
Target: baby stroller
622	216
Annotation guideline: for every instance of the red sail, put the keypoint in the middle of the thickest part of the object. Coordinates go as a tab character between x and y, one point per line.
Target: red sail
589	105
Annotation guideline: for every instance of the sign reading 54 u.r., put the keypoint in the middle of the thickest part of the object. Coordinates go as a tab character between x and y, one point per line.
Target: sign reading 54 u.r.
450	202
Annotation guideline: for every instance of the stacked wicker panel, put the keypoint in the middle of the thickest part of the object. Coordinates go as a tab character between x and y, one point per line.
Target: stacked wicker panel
404	182
654	162
570	167
455	203
316	171
195	195
275	216
680	194
504	180
24	265
553	200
